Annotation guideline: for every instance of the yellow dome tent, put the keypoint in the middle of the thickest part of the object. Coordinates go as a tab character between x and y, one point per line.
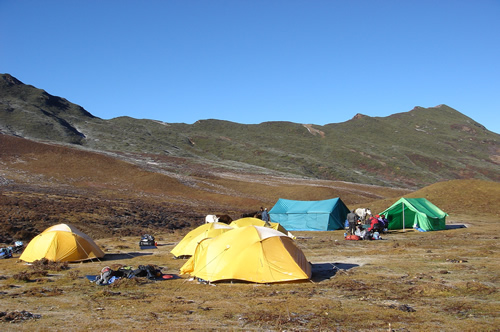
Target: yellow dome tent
61	243
252	253
250	221
187	245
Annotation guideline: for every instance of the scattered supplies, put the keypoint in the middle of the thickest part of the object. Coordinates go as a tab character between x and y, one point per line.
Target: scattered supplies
6	252
18	247
109	276
147	242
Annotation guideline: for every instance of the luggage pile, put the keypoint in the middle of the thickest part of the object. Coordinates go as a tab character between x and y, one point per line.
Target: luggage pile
147	241
108	275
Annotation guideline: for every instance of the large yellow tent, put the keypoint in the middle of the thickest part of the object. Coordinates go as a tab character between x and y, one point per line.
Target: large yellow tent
252	253
188	244
259	222
61	243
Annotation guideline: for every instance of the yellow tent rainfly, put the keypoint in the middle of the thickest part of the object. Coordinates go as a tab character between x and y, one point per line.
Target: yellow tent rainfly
61	243
250	221
252	253
187	245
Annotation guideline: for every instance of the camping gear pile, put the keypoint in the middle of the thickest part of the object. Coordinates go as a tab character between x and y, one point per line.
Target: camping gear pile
18	247
8	251
366	235
147	241
109	276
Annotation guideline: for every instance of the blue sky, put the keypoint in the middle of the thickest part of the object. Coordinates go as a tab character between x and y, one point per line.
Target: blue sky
252	61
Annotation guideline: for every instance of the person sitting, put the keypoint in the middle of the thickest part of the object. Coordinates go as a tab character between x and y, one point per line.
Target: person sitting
384	222
360	231
375	225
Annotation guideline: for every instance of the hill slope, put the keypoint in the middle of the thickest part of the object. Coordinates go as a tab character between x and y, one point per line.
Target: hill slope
410	149
43	184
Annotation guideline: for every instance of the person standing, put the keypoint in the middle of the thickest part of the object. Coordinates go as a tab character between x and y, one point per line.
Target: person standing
352	219
265	216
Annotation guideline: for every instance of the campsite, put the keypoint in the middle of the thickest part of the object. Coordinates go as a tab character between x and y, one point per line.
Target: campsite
444	279
409	281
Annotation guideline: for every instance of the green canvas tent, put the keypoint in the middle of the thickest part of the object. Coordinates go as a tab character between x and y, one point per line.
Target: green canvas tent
325	215
415	213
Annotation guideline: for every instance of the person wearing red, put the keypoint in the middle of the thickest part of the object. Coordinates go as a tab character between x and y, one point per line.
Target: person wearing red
374	224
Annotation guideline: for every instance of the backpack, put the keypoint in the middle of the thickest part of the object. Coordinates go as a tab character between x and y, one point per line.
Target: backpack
352	237
103	279
147	240
6	252
148	271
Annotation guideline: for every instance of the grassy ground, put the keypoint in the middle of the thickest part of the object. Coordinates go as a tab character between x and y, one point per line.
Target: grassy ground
409	281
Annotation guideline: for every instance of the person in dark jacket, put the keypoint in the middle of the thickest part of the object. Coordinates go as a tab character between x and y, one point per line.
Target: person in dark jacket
375	225
265	217
352	219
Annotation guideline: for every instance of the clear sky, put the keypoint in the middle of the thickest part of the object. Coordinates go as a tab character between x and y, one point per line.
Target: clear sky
251	61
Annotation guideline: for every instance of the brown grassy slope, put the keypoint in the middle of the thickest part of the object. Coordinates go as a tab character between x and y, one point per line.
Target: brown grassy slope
457	197
476	197
57	165
44	184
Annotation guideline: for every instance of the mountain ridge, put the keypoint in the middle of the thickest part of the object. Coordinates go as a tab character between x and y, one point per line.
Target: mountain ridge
409	149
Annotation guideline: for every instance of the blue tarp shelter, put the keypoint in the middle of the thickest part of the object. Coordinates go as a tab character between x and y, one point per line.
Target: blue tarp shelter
325	215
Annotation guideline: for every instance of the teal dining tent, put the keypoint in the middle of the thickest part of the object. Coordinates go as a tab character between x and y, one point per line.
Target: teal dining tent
324	215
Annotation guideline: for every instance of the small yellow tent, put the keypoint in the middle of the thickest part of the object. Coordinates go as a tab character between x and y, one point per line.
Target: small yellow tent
249	221
188	244
252	253
61	243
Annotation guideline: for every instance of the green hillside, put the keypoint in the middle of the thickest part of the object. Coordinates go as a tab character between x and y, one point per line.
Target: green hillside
410	149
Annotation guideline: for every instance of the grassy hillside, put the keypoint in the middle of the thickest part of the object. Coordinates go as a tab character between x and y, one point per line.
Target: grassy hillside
410	149
44	184
409	281
33	113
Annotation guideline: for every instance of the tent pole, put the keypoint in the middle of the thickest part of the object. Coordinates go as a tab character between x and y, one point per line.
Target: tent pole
403	209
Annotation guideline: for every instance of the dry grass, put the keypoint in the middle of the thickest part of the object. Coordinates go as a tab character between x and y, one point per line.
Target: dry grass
445	280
